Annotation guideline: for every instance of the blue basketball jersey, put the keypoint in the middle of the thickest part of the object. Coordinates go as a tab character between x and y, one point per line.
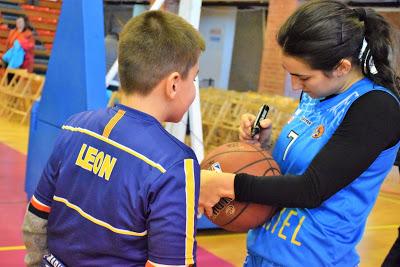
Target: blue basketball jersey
327	235
120	191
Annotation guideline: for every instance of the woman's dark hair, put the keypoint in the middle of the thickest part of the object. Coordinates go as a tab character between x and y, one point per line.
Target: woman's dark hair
324	32
27	23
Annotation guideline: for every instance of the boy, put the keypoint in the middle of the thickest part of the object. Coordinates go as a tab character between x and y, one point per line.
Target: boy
118	190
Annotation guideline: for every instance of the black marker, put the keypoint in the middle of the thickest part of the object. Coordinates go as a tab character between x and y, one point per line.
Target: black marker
262	114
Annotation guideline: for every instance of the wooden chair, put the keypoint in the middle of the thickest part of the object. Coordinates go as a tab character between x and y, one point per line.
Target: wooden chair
31	94
19	93
221	111
8	84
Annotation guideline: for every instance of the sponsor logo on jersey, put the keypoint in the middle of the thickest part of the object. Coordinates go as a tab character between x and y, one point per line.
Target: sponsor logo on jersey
319	131
306	121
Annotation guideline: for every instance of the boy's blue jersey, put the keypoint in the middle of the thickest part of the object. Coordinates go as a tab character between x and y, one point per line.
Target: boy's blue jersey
327	235
121	191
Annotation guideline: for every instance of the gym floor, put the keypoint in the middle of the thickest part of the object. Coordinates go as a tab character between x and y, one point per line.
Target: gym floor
220	247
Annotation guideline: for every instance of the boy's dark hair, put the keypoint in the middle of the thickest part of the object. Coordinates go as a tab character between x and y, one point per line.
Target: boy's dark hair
153	45
324	32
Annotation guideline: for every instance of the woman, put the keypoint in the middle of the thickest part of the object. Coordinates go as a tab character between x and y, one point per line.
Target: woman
23	34
337	148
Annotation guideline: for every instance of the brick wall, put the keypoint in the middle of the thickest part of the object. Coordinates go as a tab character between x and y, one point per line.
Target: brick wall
272	75
394	19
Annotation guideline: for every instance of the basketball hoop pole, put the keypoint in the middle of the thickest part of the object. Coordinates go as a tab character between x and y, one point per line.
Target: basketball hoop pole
190	11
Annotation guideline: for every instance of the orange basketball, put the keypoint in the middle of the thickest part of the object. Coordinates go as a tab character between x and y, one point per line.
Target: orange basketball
240	157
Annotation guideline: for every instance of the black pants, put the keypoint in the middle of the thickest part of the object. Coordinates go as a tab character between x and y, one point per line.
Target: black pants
393	257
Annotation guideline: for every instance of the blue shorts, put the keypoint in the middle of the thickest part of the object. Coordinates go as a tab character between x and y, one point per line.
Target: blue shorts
256	261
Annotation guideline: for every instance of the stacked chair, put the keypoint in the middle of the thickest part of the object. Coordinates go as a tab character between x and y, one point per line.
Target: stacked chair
18	92
221	111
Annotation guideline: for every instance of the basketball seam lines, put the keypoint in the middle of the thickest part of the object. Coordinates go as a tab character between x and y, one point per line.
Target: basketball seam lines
237	151
234	218
252	163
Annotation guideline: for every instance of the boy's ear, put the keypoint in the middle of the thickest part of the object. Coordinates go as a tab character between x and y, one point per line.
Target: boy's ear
172	84
343	68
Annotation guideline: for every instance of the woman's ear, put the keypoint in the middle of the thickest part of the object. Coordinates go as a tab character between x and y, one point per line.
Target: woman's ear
172	84
343	68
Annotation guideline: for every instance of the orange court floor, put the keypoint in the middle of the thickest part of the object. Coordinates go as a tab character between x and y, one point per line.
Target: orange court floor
381	230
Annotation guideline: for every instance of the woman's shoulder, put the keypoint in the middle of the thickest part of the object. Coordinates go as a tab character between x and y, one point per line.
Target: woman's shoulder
375	114
382	99
27	32
378	101
379	106
12	32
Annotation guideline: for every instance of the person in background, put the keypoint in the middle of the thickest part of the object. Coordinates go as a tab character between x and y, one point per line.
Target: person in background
337	148
23	34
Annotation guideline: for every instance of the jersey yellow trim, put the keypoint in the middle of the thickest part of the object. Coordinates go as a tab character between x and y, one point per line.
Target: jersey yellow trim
113	143
97	221
111	124
190	209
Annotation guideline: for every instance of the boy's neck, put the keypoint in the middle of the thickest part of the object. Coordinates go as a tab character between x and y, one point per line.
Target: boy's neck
147	104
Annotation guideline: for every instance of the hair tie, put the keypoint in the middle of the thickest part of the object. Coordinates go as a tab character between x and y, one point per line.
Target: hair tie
366	60
361	13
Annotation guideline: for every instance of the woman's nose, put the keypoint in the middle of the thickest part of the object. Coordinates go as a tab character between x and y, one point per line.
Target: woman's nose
296	83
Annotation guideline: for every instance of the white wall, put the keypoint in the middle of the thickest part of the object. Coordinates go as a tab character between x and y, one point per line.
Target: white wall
217	25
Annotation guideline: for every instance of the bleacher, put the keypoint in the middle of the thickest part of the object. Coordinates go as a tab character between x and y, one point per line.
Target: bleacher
43	16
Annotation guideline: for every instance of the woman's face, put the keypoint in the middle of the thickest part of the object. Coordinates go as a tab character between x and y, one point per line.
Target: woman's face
313	82
20	23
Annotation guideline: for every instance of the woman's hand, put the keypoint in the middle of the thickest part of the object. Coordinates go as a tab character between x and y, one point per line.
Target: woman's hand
213	186
262	139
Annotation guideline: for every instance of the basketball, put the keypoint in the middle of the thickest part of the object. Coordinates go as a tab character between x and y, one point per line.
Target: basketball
238	157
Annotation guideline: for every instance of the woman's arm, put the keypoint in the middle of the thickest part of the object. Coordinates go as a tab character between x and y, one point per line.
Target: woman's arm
27	40
370	126
12	35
